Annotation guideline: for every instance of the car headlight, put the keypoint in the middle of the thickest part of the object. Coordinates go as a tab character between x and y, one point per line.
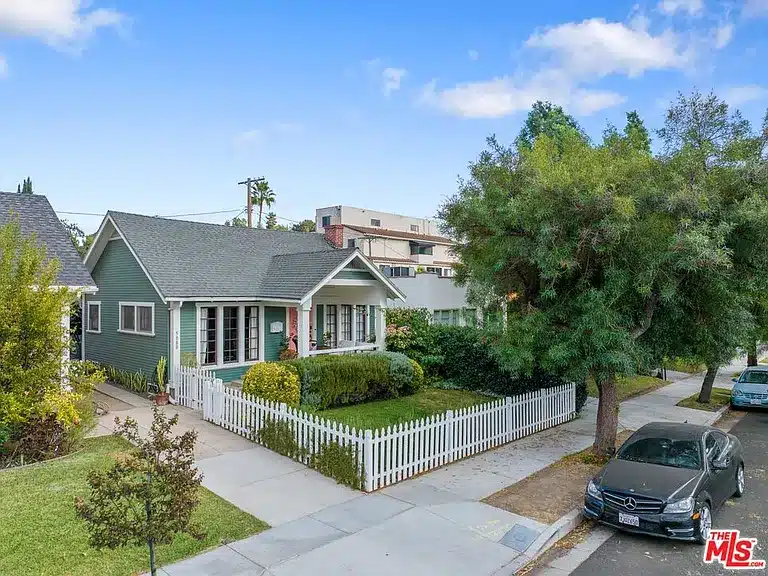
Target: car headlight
684	505
737	392
593	490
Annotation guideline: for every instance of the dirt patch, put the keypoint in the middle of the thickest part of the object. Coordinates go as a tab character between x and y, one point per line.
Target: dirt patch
729	419
558	549
553	491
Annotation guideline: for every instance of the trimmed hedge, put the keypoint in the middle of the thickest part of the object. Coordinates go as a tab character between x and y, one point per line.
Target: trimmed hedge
273	382
329	381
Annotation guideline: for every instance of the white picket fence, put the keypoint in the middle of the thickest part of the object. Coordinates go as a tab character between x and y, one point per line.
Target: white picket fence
187	385
398	452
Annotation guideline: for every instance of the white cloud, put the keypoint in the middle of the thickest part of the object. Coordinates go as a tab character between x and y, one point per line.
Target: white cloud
256	136
249	136
738	95
723	35
754	8
503	96
3	67
57	22
473	55
596	47
692	7
392	78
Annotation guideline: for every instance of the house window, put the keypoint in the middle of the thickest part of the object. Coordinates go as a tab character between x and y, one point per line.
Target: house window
433	270
399	271
351	243
346	322
361	319
446	317
137	318
330	325
415	228
419	249
470	317
208	335
448	272
326	221
375	222
230	335
251	333
94	317
386	270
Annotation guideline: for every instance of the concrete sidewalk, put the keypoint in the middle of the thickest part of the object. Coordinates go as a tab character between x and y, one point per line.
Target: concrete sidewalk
432	524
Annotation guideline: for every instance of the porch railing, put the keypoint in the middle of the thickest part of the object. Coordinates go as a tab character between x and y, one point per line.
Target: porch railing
345	349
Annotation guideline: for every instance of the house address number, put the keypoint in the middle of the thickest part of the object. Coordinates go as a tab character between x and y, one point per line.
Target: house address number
275	327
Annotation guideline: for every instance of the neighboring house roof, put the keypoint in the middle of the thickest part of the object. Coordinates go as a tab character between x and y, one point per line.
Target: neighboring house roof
186	259
399	234
36	216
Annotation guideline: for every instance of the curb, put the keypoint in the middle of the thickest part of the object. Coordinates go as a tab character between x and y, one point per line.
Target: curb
719	414
548	538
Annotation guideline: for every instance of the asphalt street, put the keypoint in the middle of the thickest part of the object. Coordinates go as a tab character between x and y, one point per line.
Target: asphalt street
629	554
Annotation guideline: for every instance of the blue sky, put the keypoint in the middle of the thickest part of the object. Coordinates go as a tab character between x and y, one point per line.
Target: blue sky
162	107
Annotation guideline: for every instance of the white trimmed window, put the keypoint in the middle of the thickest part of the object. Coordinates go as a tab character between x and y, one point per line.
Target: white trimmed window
361	318
231	340
94	317
251	333
208	335
137	318
346	322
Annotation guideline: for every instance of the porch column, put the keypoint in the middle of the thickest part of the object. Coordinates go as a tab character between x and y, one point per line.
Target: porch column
381	328
174	345
303	328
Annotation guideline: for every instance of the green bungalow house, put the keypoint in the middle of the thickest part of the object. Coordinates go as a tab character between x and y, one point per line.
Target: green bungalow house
223	298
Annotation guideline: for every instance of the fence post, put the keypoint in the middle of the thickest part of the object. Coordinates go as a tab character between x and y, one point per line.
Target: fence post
449	441
219	402
368	459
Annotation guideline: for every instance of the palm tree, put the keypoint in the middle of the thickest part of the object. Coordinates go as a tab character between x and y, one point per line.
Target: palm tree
262	195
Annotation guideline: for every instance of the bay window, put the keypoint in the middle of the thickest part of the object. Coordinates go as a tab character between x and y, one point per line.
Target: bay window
330	326
361	319
251	331
231	340
208	335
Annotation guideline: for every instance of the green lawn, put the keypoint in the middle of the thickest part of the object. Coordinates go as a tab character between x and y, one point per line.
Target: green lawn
387	412
42	536
720	397
630	386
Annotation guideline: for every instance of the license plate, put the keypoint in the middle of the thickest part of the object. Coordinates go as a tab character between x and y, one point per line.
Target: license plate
755	401
629	519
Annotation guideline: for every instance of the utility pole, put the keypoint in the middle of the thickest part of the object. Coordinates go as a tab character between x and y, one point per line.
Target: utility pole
249	204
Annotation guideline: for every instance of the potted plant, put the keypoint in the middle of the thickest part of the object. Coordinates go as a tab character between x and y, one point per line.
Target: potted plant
161	398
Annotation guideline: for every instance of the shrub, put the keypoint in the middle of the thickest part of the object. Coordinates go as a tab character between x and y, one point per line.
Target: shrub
329	380
409	330
581	394
133	381
273	381
418	376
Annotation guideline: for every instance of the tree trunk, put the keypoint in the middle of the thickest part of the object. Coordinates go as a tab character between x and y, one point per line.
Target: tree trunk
706	386
261	211
152	567
752	354
607	417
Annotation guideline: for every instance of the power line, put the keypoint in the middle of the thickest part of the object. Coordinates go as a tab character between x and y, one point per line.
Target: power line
159	215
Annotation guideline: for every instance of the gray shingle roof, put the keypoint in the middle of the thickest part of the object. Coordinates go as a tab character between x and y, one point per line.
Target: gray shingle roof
293	275
194	259
36	216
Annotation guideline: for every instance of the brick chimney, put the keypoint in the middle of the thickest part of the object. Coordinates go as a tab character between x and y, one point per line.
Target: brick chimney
335	235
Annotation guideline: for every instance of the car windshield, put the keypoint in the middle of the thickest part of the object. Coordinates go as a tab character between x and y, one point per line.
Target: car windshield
663	451
755	377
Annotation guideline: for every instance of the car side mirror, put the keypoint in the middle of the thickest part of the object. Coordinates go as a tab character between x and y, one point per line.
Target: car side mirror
721	463
734	379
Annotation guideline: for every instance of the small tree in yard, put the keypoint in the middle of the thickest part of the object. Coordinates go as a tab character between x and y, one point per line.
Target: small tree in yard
149	495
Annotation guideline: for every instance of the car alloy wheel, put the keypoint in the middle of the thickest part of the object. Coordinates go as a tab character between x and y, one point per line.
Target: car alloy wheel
705	524
740	481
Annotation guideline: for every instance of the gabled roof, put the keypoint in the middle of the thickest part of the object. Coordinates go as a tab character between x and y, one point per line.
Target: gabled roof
186	259
36	216
399	234
307	270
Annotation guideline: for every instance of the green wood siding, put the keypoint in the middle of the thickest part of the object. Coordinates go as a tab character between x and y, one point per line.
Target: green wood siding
272	342
188	326
349	274
229	374
120	278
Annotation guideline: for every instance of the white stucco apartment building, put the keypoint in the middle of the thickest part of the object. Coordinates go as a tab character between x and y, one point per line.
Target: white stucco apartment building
409	250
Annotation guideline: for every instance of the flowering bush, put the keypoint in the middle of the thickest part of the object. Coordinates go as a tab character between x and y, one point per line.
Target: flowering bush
273	381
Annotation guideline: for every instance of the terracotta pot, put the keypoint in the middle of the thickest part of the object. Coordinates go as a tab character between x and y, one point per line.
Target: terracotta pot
161	398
